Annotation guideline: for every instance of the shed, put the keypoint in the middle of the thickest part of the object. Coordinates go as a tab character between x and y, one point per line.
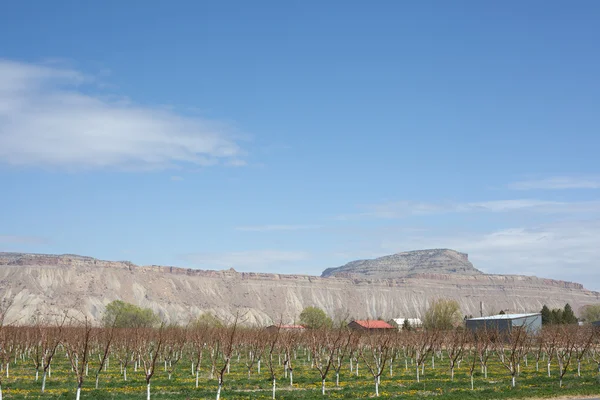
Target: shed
505	322
414	322
370	325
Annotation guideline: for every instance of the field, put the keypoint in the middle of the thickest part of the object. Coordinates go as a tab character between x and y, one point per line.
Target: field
175	352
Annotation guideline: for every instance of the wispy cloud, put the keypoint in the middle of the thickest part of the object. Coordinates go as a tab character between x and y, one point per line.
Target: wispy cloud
272	228
254	260
563	250
53	116
558	183
406	208
17	239
176	178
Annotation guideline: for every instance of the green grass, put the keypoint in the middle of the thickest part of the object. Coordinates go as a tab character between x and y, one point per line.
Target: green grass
435	383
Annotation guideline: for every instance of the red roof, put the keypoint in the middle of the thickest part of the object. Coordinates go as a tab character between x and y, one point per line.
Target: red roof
370	324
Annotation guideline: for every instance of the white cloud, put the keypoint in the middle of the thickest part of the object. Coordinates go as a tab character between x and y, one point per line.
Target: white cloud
50	116
406	208
272	228
558	183
17	239
563	250
254	260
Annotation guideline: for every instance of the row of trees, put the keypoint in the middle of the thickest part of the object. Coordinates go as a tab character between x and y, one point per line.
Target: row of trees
441	314
558	315
213	349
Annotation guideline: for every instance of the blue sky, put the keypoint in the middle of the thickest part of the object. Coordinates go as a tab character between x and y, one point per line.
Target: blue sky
296	136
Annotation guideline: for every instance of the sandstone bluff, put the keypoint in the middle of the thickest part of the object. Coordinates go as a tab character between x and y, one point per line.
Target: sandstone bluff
393	286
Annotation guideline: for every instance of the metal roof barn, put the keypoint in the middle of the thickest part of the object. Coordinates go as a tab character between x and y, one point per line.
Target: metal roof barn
505	322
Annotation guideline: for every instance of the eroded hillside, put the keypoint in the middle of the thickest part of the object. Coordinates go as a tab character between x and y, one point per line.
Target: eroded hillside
52	284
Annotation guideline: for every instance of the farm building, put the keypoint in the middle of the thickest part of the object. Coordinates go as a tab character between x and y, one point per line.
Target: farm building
414	322
297	328
505	322
370	325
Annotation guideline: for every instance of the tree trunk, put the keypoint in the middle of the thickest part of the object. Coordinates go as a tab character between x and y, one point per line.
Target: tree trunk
548	368
337	379
78	395
148	391
125	373
417	373
291	378
197	375
323	387
376	387
44	382
97	379
219	389
513	381
273	388
472	382
259	366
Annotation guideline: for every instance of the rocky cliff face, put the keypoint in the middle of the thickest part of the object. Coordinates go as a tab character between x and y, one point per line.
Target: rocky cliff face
434	261
53	284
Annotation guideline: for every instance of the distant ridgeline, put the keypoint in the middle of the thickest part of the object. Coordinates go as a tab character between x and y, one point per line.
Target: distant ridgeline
396	286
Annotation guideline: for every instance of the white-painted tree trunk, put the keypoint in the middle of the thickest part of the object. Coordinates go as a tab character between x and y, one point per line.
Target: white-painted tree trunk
291	378
219	389
273	388
7	364
417	373
197	377
148	391
44	382
337	379
472	382
78	395
323	387
0	392
125	373
258	366
376	387
513	381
